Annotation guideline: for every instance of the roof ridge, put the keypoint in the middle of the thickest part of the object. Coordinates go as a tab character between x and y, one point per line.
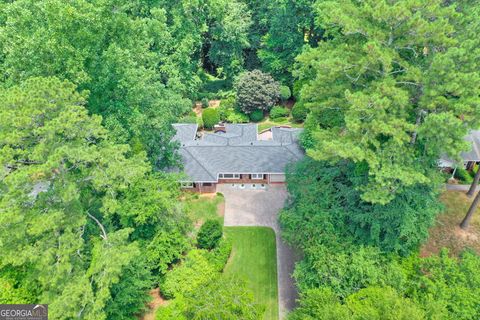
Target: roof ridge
242	145
199	163
291	150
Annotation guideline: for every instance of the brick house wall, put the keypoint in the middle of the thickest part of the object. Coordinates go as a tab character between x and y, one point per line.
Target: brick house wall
245	178
202	187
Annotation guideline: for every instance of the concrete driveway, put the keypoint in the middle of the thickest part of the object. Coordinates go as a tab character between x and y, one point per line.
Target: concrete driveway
246	207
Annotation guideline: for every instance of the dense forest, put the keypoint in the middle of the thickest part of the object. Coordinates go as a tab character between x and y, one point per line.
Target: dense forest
90	220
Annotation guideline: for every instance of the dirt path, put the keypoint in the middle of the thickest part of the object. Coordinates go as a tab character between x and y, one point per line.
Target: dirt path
157	302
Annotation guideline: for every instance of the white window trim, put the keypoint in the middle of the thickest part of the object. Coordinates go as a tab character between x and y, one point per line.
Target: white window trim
186	185
257	176
231	176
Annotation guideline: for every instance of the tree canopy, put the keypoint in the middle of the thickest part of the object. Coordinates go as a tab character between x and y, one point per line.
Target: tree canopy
75	205
393	75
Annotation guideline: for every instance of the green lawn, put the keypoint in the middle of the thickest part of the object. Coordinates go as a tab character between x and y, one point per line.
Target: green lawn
268	123
201	208
254	259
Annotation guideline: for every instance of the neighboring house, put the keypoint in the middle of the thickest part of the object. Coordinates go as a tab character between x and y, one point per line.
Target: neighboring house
469	158
235	155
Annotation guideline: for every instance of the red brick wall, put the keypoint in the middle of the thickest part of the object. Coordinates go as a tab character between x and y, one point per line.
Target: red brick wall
199	187
245	178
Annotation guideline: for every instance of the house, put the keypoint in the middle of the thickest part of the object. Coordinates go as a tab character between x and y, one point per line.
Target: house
469	158
236	154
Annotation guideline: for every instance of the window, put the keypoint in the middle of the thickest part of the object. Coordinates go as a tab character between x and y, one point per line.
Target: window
257	176
186	185
229	176
206	184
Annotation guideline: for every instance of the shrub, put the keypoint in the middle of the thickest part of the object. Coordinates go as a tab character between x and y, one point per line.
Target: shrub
297	87
205	102
256	116
463	175
228	102
164	249
210	234
218	257
285	93
299	112
256	90
226	108
194	271
210	117
278	112
237	117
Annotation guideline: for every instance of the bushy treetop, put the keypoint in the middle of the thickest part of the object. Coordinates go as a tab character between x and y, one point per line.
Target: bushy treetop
256	90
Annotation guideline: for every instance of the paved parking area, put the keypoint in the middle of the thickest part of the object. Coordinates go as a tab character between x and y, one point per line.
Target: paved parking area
247	207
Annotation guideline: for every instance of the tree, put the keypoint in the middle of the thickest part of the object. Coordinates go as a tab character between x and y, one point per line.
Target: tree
138	75
299	112
291	25
210	117
473	186
374	303
447	284
220	298
229	36
75	205
210	234
404	87
342	214
256	90
471	210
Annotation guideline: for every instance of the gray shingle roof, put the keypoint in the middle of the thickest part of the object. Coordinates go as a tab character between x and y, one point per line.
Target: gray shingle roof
184	132
474	153
237	151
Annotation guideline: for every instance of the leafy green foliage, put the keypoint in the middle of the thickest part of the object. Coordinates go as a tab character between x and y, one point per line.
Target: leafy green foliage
256	90
394	81
209	234
463	175
374	303
285	93
219	298
89	202
448	283
237	117
278	112
195	270
345	270
137	73
256	116
229	36
164	249
299	112
342	214
210	117
291	25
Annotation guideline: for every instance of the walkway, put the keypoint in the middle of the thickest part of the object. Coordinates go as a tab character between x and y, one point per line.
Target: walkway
244	207
458	187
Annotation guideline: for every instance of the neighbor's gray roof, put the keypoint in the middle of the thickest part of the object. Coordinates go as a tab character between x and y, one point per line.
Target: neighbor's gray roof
474	153
238	151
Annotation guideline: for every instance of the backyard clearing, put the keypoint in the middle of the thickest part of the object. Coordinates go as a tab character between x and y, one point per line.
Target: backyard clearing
446	231
254	259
